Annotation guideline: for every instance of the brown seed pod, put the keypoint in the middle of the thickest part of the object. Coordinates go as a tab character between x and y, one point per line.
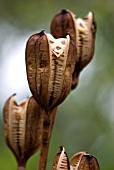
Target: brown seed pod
88	162
61	161
84	161
50	64
79	161
75	160
22	128
62	23
86	32
82	31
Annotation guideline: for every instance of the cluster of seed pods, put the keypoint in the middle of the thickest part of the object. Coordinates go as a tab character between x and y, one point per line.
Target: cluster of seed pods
79	161
53	64
82	32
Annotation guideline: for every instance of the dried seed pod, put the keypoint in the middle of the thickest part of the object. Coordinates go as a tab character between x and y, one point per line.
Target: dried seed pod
22	128
82	31
61	161
79	161
88	162
62	23
75	160
84	161
86	32
50	63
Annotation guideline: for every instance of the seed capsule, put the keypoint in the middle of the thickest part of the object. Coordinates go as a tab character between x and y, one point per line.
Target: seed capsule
22	128
50	63
86	31
82	31
79	161
61	161
75	160
84	161
88	162
62	23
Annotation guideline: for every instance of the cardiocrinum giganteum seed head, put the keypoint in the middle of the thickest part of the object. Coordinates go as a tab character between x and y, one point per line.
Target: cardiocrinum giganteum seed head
84	161
50	64
62	23
22	128
88	162
82	31
61	161
79	161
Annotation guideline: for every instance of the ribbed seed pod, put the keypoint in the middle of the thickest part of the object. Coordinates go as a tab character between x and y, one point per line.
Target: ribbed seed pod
79	161
84	161
22	128
88	162
86	32
85	41
62	23
82	31
61	161
50	64
75	160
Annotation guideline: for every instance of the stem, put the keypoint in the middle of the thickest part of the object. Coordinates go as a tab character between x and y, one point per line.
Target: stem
48	122
21	165
21	168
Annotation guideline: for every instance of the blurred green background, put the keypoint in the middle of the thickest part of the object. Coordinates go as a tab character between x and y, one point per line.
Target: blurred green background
85	121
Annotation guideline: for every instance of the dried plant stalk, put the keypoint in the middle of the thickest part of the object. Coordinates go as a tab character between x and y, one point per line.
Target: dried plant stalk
21	167
50	63
48	122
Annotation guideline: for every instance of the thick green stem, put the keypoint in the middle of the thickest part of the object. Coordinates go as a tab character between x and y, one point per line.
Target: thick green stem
48	122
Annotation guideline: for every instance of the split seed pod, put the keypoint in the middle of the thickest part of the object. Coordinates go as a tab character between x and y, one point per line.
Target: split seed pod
88	162
79	161
22	128
61	161
82	31
62	23
84	161
50	64
75	160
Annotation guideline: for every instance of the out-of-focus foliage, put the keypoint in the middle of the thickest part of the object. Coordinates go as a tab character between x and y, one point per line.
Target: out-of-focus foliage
85	121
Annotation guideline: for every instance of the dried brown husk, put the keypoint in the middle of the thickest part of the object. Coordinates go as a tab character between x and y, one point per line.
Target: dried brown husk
61	161
22	128
83	33
88	162
50	64
84	161
75	160
86	34
79	161
62	24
